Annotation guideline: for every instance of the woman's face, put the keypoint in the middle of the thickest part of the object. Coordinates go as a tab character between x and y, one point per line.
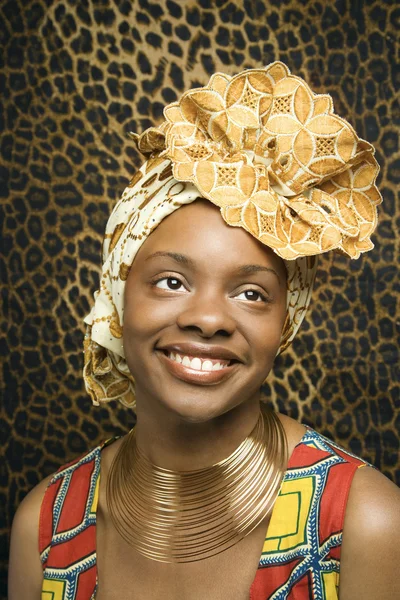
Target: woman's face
205	305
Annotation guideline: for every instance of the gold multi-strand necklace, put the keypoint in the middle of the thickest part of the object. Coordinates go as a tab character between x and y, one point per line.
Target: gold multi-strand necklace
186	516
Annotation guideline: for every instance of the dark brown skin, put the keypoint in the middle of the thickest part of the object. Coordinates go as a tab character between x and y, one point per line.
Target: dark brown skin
184	426
180	425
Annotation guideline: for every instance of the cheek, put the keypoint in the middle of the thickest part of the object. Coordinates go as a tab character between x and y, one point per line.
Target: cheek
267	337
138	322
135	322
137	333
144	318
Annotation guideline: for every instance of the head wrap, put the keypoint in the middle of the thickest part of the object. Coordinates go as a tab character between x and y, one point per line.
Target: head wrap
274	158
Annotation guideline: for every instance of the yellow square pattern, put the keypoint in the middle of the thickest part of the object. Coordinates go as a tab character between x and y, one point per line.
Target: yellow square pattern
53	589
93	508
331	584
287	528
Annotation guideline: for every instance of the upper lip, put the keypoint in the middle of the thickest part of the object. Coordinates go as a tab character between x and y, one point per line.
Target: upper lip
201	350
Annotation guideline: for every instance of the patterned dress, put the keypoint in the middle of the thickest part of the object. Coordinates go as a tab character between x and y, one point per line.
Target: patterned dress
301	555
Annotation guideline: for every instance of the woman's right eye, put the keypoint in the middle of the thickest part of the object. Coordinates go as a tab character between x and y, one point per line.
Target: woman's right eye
168	283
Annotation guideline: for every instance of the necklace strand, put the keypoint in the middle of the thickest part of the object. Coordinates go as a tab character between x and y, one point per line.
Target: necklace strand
186	516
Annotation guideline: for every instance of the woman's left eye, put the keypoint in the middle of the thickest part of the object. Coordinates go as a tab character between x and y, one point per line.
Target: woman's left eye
252	295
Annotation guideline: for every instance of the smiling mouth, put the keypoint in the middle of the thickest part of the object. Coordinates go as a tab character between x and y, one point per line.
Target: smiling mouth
197	363
197	370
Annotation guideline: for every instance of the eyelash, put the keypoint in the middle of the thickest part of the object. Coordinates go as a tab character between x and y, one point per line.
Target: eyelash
263	297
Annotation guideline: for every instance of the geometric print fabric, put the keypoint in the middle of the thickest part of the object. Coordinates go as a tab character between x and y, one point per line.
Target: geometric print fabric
67	533
301	553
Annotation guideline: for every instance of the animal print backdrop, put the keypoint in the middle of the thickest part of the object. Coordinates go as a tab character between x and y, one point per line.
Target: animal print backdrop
76	76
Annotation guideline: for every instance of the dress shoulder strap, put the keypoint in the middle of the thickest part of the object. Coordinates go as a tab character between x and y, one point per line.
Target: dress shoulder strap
67	527
301	553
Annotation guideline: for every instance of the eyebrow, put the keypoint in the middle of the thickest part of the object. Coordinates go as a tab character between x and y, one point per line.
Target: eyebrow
179	258
249	269
188	262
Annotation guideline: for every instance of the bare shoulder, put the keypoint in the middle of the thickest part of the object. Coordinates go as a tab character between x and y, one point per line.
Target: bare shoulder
371	538
25	570
294	431
373	506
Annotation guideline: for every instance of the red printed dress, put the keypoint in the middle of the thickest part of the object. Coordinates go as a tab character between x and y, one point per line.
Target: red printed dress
301	554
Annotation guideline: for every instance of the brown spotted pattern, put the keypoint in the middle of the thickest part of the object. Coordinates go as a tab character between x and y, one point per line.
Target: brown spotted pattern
75	77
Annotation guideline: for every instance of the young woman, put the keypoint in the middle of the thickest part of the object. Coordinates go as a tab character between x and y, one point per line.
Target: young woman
208	265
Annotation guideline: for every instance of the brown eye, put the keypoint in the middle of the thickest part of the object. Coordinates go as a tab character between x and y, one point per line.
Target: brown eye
252	295
173	284
169	283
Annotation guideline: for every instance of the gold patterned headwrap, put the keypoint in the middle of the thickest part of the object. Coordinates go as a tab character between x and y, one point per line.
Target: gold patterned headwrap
275	159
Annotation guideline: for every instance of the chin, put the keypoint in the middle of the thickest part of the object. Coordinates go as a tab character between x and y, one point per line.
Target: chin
175	395
198	406
197	409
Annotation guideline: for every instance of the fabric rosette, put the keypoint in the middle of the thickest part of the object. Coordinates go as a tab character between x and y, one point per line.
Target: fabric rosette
276	160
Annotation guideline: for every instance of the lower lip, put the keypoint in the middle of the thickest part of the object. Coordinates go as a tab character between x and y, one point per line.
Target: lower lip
192	375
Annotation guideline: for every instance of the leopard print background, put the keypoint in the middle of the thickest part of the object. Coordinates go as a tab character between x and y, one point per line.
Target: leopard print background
75	77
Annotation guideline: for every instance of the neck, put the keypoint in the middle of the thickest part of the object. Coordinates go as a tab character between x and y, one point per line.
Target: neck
172	442
173	516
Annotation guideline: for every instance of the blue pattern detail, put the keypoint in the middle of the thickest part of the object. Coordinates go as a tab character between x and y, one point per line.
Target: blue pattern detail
312	555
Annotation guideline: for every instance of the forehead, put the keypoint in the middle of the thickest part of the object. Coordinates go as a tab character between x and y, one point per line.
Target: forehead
198	230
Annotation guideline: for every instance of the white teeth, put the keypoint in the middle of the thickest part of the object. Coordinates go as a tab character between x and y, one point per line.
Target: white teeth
207	365
196	364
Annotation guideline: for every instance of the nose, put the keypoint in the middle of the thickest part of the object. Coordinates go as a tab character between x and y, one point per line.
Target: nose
207	316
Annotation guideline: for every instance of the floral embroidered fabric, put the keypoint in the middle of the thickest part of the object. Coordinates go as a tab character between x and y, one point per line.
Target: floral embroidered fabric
276	159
